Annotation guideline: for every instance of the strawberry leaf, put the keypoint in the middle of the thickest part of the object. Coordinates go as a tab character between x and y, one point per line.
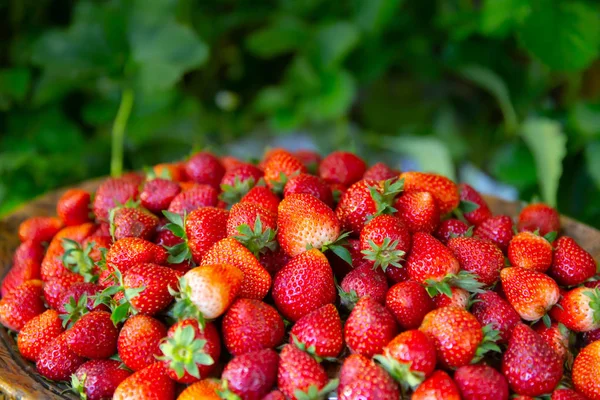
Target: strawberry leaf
120	313
551	236
467	206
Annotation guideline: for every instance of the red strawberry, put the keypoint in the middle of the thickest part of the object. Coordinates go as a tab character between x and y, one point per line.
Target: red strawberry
443	189
252	375
139	341
273	261
151	382
528	250
579	309
205	227
482	212
158	194
238	180
539	217
458	298
73	207
430	260
274	395
263	197
57	361
21	305
28	251
206	389
52	264
39	229
127	252
280	167
155	281
37	333
303	285
491	309
309	184
112	192
531	367
482	258
450	228
363	281
205	168
369	328
193	198
481	382
497	230
384	242
409	303
55	288
419	210
342	167
251	325
542	292
380	172
586	375
571	265
567	394
19	274
75	292
557	336
164	236
320	332
93	336
299	374
133	222
190	352
361	378
311	159
247	214
438	386
98	379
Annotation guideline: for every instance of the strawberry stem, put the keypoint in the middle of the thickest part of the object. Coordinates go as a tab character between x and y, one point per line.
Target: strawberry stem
118	132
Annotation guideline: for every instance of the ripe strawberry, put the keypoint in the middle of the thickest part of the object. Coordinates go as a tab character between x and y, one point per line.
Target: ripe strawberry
539	216
57	361
299	374
531	251
458	298
173	171
206	389
481	382
19	274
73	295
531	367
165	237
320	332
112	192
363	281
274	395
482	258
380	172
571	265
127	252
542	292
438	386
262	196
342	167
247	214
205	227
52	264
205	168
55	288
430	260
98	379
139	341
28	251
151	382
450	228
409	303
273	261
158	194
309	184
369	328
579	309
252	375
279	168
257	281
498	230
443	189
361	378
419	210
93	336
73	207
193	198
155	281
482	212
190	351
251	325
37	333
557	336
303	285
21	305
310	158
384	241
238	180
567	394
39	229
585	373
491	309
133	222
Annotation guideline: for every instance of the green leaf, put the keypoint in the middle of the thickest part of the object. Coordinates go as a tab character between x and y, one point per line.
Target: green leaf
548	144
373	16
592	151
429	152
498	17
585	118
14	83
565	35
285	35
514	165
334	41
467	206
335	98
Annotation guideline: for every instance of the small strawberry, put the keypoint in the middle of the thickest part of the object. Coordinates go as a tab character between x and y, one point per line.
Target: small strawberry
262	196
443	189
55	288
384	242
155	282
320	332
57	361
98	379
279	168
39	229
579	309
73	207
151	382
481	382
491	309
451	228
112	192
193	198
482	258
132	222
309	184
498	230
458	298
380	172
238	181
481	212
571	265
37	333
206	389
203	228
342	167
158	194
205	168
409	303
557	336
585	373
438	386
363	281
127	252
531	251
419	210
19	274
539	217
251	325
28	251
567	394
93	336
22	304
252	375
361	378
531	367
139	341
311	160
369	328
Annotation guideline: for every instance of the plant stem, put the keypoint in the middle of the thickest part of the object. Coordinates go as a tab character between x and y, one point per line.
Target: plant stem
118	132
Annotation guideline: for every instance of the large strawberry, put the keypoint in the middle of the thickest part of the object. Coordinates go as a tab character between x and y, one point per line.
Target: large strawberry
482	258
37	333
132	222
498	230
309	184
93	336
152	283
342	167
73	207
438	386
252	375
491	309
409	303
384	241
39	229
361	378
571	264
443	189
539	217
151	382
98	379
585	373
139	341
193	197
481	382
21	305
579	309
205	168
369	328
320	332
531	251
280	167
529	364
112	192
363	281
57	361
203	228
127	252
419	210
158	193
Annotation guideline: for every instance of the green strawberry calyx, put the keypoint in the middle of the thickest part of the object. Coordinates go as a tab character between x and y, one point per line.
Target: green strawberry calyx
490	337
257	239
180	252
384	198
232	194
78	260
384	255
400	371
184	307
313	392
464	280
184	352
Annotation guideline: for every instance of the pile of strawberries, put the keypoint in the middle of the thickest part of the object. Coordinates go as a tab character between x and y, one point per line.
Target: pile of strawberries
299	278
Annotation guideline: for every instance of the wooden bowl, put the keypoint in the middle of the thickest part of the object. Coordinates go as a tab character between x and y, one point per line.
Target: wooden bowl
18	378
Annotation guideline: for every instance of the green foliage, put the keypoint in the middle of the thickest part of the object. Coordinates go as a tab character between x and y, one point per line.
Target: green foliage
509	86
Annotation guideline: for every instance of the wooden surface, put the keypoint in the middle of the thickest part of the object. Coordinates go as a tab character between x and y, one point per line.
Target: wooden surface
18	378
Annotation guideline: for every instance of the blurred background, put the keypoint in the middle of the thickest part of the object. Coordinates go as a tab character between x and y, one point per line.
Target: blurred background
504	94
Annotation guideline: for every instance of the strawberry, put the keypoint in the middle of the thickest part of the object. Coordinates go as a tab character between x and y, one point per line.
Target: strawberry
369	327
127	252
531	251
419	210
479	214
172	171
273	261
274	395
585	373
539	217
380	172
579	309
299	375
458	337
251	325
132	222
28	251
363	281
303	285
112	192
481	382
257	281
342	267
21	305
458	298
151	382
155	281
384	241
591	336
409	303
531	367
262	196
57	361
491	309
39	229
567	394
73	207
498	230
238	181
98	379
279	168
542	292
571	265
139	341
247	214
438	386
205	168
252	375
19	274
165	237
320	332
361	378
93	336
309	184
409	358
52	264
557	336
55	288
193	198
443	189
450	228
311	160
190	351
206	389
158	194
203	228
482	258
73	295
342	167
37	333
